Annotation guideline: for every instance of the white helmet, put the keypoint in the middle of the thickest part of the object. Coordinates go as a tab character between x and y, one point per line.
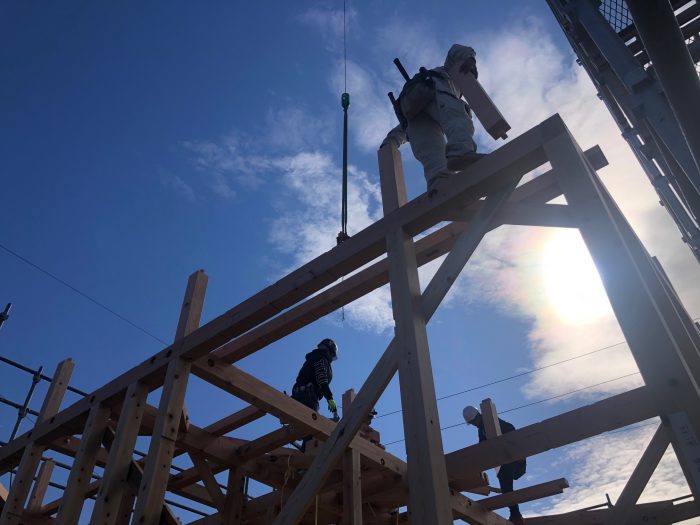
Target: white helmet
469	413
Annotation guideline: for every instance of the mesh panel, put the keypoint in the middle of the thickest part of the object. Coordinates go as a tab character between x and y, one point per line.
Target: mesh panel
616	13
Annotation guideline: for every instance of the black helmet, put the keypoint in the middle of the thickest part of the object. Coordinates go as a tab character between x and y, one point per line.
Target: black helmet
329	346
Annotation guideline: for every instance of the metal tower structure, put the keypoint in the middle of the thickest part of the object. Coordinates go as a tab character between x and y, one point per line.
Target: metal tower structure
643	57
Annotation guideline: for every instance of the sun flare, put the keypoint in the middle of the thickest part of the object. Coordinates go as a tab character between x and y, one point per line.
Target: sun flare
572	284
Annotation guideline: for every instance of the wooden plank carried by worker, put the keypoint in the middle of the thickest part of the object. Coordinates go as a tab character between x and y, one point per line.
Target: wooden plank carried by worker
492	427
542	490
480	102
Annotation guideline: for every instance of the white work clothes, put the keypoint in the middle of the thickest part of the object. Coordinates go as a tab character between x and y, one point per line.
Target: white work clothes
445	116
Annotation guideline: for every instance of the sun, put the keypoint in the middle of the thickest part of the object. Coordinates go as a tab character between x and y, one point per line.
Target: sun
572	284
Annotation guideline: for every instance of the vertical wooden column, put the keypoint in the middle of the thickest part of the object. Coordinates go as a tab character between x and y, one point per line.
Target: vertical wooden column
334	447
665	352
352	484
115	484
149	502
429	495
36	500
83	465
233	506
13	509
492	427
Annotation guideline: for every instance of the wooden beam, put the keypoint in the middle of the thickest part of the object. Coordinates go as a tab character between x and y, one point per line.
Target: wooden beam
36	499
518	156
492	427
31	456
582	423
667	354
640	477
114	486
658	513
542	490
83	466
537	191
385	367
209	480
352	483
156	474
235	496
427	476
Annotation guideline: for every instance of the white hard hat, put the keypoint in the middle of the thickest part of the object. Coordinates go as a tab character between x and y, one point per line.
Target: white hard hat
469	413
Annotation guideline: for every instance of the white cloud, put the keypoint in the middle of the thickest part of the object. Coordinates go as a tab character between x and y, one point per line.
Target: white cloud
329	23
180	187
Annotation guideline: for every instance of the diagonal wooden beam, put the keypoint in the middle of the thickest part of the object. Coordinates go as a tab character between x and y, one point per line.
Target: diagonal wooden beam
36	499
518	156
640	477
209	480
385	368
83	466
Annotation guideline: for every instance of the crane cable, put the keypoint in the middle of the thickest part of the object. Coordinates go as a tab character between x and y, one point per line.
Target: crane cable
345	103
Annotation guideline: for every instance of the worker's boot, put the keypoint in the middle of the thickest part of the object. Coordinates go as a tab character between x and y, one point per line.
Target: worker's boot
517	520
436	183
463	162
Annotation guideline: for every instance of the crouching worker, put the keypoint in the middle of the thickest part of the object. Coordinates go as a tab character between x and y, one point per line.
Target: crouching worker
431	108
314	379
508	472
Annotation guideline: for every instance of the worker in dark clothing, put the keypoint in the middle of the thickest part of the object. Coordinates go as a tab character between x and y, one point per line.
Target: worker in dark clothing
314	379
508	472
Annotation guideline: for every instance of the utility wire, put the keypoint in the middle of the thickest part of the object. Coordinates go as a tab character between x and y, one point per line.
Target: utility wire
514	376
534	402
83	294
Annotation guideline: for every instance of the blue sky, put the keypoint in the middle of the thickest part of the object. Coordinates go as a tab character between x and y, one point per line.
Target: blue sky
142	142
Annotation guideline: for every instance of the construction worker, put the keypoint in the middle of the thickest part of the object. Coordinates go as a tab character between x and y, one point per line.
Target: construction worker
314	379
430	108
506	473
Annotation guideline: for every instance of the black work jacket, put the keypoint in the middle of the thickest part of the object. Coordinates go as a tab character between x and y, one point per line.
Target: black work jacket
318	372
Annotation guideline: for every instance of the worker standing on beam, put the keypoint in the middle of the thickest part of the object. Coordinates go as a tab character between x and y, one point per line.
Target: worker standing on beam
431	108
506	473
314	379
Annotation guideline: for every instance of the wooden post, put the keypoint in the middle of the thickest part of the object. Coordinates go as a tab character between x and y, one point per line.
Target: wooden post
383	371
149	503
492	427
36	500
13	509
115	487
352	484
235	498
209	481
83	465
640	477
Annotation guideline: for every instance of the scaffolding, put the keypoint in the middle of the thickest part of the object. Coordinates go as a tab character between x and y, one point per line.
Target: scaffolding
643	58
348	477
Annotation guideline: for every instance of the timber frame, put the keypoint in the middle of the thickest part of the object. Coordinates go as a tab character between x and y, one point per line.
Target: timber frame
350	479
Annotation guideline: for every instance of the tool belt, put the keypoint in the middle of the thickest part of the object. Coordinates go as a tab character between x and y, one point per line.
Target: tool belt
306	394
417	93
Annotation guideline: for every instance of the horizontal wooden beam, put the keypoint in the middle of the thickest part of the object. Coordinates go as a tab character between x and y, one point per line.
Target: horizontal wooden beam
539	491
585	422
519	156
658	513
